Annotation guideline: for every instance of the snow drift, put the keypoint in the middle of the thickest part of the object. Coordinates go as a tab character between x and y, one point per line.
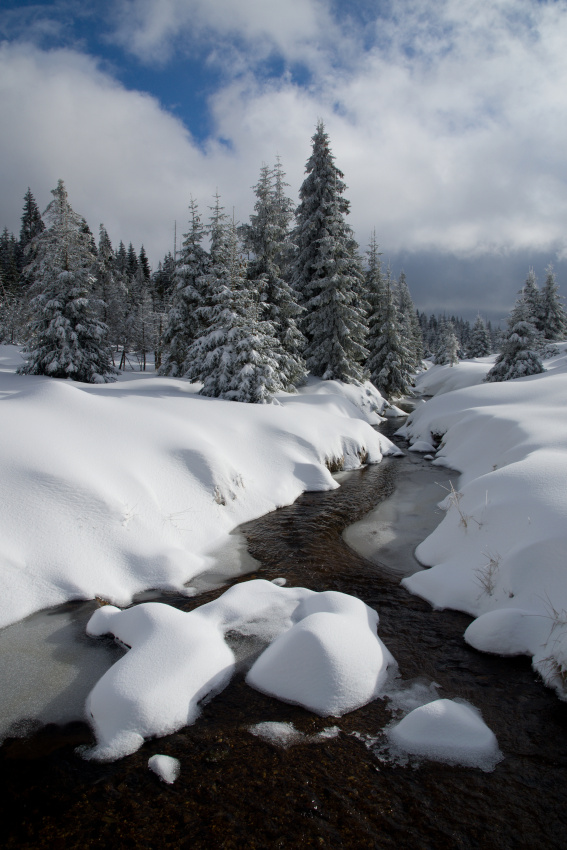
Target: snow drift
499	553
108	490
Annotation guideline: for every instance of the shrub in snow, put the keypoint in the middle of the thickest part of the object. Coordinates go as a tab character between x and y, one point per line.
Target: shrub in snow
444	730
67	339
327	273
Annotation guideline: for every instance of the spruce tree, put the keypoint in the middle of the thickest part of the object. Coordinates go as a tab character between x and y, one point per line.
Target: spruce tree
184	323
518	356
327	272
553	316
390	361
32	224
479	342
447	346
110	287
234	355
410	328
267	238
68	340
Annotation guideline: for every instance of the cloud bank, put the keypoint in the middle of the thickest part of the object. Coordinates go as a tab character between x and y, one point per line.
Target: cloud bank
446	116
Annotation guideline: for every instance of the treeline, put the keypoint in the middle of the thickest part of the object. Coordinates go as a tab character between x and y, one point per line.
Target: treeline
247	316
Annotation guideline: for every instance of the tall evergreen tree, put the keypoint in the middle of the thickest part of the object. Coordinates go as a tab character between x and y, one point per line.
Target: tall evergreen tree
32	224
267	238
479	342
184	321
532	298
234	355
68	340
327	272
553	316
390	361
410	328
447	346
110	288
518	356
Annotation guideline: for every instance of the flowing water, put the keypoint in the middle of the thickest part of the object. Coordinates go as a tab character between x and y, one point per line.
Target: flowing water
238	791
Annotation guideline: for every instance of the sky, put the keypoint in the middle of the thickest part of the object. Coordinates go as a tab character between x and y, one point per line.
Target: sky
447	117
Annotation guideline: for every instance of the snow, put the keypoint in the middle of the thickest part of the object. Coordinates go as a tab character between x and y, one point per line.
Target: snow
286	735
166	767
322	652
499	553
447	730
108	490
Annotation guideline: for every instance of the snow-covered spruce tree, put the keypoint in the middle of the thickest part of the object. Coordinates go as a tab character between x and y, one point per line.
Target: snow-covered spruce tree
32	225
518	356
390	360
327	273
67	338
267	238
447	346
532	298
479	342
553	316
110	287
236	355
13	308
410	328
184	323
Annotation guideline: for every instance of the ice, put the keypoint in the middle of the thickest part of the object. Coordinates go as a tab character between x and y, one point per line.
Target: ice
447	730
166	767
286	735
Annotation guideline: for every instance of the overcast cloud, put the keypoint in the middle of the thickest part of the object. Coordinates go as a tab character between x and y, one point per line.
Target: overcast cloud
447	117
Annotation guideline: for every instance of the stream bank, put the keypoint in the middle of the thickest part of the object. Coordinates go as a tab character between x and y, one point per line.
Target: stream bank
238	791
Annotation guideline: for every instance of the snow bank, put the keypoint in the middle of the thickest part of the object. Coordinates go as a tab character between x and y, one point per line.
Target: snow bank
108	490
325	655
499	553
450	731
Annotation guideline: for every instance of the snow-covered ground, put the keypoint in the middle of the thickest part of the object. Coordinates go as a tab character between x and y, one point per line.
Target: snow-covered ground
500	551
111	489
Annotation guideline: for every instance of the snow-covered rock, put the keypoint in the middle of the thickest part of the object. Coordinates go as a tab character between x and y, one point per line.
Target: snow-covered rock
445	730
323	653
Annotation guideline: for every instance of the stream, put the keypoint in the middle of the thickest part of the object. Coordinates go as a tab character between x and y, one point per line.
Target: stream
236	790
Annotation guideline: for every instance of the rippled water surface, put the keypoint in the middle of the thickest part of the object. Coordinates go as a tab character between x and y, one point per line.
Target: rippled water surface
238	791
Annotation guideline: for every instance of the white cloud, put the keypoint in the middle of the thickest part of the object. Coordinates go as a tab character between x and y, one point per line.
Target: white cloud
450	129
152	29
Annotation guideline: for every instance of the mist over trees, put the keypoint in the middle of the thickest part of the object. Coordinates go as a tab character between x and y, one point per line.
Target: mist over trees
247	310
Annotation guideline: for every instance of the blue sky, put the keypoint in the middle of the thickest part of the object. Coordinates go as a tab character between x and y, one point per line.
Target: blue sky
448	118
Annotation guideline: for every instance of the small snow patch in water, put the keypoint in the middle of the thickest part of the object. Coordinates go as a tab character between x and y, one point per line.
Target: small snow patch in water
166	767
286	735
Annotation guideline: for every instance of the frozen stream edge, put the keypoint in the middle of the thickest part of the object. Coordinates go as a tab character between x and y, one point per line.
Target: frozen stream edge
48	665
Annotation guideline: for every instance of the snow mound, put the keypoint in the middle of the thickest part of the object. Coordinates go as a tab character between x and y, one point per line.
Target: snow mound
166	767
328	663
445	730
174	661
422	446
323	644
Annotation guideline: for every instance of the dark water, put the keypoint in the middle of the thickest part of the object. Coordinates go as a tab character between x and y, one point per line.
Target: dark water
237	791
